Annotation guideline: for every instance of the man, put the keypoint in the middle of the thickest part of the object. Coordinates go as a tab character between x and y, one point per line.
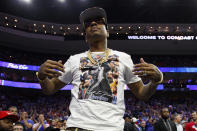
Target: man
7	120
18	127
189	126
13	109
139	120
193	127
134	122
52	125
99	77
143	126
41	125
177	121
164	124
129	126
57	126
26	122
149	124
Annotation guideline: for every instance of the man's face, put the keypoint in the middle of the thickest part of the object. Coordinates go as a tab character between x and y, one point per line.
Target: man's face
24	114
178	118
14	110
59	124
143	124
127	120
95	29
194	116
165	113
41	117
53	122
18	128
6	124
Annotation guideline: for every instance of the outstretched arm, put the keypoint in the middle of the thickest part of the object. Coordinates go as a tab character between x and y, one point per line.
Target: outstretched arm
150	72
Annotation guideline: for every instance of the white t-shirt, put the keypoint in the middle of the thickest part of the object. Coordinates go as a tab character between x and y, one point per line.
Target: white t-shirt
179	127
40	128
98	95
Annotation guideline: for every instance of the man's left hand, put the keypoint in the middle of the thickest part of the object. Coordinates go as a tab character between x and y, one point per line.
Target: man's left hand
149	71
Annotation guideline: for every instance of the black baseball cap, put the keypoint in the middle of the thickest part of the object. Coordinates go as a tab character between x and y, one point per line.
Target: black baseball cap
92	14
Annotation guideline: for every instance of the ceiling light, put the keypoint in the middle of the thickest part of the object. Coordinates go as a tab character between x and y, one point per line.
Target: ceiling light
62	1
26	1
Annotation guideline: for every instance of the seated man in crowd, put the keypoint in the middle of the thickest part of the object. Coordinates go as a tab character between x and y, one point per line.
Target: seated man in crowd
26	122
41	125
149	124
13	109
129	126
7	120
143	126
51	126
18	127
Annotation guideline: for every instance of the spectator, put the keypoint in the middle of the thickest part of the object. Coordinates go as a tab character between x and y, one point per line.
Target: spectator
25	99
7	120
18	127
134	121
128	123
143	126
164	124
177	121
41	125
139	120
191	125
27	123
13	109
149	124
59	124
52	126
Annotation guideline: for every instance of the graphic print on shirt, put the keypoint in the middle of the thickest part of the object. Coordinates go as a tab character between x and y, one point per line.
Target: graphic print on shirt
99	82
194	127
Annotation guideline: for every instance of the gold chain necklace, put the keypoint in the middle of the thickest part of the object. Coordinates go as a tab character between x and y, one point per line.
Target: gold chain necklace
107	51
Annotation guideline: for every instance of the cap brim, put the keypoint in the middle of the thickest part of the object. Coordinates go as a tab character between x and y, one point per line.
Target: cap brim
13	117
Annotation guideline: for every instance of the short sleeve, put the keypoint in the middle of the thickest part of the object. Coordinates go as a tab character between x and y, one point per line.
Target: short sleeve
66	76
34	125
47	125
129	76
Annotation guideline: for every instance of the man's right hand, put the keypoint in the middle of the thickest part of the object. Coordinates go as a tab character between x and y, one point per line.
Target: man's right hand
47	69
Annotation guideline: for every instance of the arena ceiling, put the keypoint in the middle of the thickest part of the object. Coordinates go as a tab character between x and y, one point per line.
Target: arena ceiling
119	11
